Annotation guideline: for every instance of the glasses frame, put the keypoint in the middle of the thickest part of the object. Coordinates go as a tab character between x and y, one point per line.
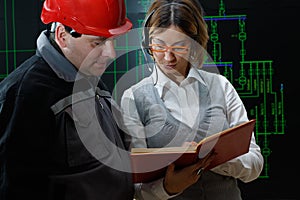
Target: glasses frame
167	48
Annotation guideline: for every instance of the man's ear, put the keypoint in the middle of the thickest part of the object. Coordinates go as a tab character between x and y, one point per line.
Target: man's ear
61	35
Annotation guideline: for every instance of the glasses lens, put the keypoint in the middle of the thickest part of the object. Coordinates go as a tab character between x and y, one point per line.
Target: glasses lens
157	47
179	49
163	48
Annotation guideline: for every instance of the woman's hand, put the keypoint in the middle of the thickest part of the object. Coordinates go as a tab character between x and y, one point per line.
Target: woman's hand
187	144
177	181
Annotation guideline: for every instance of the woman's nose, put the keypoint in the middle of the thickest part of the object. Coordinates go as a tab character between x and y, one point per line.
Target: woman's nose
169	55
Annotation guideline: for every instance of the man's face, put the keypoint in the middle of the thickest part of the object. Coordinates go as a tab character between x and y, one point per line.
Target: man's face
90	54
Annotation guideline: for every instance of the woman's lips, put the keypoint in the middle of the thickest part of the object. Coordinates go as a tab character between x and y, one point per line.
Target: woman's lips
172	66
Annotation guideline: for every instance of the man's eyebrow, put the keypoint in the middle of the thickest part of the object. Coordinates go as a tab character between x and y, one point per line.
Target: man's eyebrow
100	38
97	39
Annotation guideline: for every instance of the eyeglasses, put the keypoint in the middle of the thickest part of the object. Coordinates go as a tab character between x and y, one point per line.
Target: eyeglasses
163	48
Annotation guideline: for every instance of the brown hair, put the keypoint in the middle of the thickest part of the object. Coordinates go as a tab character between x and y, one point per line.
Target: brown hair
184	14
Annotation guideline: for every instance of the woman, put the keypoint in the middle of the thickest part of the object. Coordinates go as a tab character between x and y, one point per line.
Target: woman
181	103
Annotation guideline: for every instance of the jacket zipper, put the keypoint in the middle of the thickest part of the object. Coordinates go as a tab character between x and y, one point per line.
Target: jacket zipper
98	97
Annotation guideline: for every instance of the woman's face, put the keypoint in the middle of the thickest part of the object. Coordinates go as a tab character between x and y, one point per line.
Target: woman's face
171	50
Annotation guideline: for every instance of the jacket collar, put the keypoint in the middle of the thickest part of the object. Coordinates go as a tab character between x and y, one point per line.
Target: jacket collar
58	63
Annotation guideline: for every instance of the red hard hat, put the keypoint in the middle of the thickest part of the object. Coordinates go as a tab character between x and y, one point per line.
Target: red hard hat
104	18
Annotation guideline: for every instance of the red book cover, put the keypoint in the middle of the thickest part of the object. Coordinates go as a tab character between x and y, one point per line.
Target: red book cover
149	164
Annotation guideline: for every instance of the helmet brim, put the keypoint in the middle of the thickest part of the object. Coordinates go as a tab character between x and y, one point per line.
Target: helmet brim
107	32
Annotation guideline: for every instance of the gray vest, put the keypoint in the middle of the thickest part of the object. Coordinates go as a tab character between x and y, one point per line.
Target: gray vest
163	130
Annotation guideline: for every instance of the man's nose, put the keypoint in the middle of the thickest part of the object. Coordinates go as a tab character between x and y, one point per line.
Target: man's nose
109	49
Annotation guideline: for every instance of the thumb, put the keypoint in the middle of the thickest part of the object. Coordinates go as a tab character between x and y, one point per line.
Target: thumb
170	170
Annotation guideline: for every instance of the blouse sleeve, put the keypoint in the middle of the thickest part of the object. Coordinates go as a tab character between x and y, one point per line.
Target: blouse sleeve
132	123
246	167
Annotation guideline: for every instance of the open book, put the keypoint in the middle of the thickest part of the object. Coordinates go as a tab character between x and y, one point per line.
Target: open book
149	164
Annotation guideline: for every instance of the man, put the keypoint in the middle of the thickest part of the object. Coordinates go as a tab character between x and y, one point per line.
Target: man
58	138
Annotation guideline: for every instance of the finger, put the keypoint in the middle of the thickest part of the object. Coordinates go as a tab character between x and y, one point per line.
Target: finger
170	169
187	144
198	166
204	162
208	158
193	143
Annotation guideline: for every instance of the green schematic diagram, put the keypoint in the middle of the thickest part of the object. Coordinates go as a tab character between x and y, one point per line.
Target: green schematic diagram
253	79
20	26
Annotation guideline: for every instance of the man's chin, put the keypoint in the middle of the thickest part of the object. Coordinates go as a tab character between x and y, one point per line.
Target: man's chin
98	72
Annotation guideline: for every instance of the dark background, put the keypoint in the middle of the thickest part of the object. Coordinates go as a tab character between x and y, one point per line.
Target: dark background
272	34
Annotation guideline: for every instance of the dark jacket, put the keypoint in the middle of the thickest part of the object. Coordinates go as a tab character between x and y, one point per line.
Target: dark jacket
58	138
